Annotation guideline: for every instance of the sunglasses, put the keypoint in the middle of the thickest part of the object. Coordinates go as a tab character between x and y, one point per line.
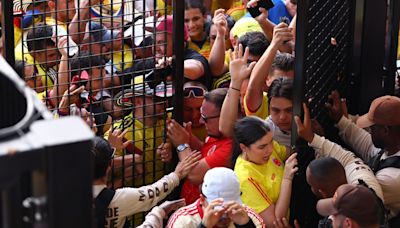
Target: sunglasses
206	118
194	91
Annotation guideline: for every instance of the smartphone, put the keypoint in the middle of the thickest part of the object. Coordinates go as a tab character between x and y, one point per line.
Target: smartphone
255	12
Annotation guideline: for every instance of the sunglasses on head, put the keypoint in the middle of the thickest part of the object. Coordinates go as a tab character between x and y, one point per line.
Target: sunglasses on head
193	91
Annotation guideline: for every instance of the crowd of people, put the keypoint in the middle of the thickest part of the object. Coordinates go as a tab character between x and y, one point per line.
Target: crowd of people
112	62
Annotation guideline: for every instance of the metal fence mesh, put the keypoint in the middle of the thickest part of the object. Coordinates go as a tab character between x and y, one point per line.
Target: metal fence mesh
327	52
108	48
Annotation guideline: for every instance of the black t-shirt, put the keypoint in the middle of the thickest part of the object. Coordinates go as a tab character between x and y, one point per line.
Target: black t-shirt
206	79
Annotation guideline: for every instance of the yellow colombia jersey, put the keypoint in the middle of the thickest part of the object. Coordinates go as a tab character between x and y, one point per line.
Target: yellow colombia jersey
260	184
204	50
162	7
144	143
262	111
22	53
123	59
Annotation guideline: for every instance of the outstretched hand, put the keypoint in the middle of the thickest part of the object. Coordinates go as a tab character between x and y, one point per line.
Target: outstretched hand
304	130
186	165
338	108
238	64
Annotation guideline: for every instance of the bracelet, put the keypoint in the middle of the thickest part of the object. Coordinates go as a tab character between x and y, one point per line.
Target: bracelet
234	88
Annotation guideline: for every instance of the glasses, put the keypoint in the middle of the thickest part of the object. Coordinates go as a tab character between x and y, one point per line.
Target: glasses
194	91
206	118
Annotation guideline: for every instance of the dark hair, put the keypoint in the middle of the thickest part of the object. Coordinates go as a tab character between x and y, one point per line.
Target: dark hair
195	4
247	131
256	41
216	96
101	153
283	62
19	68
281	87
328	171
39	37
84	61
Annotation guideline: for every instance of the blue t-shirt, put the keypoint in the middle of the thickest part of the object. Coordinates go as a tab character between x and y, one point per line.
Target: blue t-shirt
278	11
275	13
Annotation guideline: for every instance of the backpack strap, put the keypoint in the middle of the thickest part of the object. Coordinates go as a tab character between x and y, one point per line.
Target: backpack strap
374	162
101	204
389	162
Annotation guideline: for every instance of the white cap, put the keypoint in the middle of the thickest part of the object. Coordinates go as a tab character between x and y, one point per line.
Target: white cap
223	183
136	30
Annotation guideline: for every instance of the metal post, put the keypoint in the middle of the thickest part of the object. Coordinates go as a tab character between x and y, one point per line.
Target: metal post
8	31
179	52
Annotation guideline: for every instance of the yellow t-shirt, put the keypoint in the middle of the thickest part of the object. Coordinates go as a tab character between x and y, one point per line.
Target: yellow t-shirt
260	184
22	53
204	50
237	12
262	111
126	62
161	7
144	143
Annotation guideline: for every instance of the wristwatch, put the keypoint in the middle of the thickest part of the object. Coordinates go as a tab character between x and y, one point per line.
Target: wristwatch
182	147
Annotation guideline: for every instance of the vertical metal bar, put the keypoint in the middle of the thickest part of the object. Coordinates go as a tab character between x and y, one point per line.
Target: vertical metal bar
299	81
8	31
391	45
179	52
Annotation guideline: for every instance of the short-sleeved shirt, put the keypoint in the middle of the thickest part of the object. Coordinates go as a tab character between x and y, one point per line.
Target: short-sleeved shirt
146	139
260	184
262	111
49	76
217	153
206	79
203	48
279	10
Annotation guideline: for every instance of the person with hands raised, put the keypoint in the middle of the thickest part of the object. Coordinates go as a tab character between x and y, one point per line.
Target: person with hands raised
264	168
216	59
240	71
256	101
354	168
219	205
379	147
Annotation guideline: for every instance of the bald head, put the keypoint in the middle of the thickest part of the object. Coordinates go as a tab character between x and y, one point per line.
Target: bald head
325	175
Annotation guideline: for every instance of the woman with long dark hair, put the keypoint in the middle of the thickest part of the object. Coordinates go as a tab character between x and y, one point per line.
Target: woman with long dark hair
264	168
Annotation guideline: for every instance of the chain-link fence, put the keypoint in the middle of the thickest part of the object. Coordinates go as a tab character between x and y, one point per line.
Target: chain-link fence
108	61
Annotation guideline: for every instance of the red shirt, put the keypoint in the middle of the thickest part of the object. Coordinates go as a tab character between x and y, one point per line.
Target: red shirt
217	153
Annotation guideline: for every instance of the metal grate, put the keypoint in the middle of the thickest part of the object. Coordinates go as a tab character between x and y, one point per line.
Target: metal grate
327	37
112	71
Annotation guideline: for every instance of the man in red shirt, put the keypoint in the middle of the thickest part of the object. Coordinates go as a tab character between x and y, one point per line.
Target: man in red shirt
216	150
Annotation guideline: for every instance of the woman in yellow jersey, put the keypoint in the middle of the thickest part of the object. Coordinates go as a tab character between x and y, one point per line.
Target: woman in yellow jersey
265	179
195	20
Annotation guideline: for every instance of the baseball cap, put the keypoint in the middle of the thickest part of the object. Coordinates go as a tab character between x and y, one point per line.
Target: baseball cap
136	30
383	111
223	183
245	25
100	33
166	24
354	201
162	90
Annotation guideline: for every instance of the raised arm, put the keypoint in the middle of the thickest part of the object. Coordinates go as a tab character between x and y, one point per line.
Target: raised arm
239	72
77	27
217	54
254	93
